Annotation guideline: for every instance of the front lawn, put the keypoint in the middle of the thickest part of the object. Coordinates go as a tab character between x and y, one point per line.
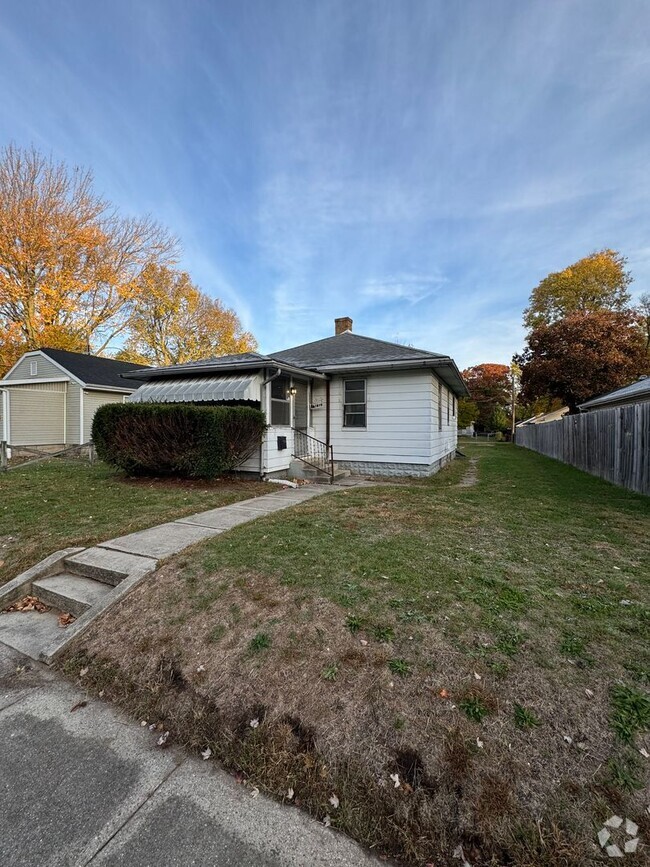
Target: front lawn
426	665
60	504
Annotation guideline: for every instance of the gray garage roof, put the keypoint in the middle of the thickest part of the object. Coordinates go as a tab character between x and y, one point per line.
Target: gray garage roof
637	391
93	369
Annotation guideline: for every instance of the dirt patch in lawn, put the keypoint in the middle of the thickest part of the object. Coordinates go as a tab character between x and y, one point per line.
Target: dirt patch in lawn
291	691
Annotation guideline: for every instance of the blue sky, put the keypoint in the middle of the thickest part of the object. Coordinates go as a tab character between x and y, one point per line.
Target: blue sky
418	165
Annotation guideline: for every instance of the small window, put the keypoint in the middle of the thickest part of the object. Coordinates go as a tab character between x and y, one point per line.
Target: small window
448	404
33	368
439	405
453	405
354	403
280	401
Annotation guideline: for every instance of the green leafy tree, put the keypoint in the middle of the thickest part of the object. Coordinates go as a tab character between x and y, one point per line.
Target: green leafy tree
597	282
467	412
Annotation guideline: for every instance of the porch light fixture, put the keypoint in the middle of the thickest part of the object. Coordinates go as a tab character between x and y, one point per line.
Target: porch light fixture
293	391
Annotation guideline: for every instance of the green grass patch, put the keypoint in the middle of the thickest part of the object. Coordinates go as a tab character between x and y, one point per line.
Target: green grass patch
630	711
259	642
524	718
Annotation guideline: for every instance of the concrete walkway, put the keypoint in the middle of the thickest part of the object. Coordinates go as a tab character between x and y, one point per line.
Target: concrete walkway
88	786
88	582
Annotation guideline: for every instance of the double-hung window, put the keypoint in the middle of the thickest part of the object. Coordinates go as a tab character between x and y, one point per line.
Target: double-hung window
354	403
280	401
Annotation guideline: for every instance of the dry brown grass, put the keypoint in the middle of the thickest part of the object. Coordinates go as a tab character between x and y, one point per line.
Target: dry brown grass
206	645
319	737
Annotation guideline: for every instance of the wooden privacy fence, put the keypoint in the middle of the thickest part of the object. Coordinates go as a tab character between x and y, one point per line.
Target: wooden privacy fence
611	443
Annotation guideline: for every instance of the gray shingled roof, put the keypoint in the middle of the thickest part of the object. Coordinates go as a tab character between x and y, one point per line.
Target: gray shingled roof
349	348
344	351
93	369
638	390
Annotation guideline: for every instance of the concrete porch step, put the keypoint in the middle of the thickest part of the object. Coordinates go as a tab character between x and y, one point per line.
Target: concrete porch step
69	592
300	470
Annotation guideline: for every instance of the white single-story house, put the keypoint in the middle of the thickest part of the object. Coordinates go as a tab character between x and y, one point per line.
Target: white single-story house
636	392
49	397
372	407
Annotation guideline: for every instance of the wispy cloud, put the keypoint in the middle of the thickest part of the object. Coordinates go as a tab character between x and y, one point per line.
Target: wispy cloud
419	166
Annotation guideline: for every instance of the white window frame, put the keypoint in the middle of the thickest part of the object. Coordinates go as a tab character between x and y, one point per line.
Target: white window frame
283	402
364	404
33	367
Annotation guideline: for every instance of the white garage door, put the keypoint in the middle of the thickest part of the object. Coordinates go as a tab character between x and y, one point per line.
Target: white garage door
37	415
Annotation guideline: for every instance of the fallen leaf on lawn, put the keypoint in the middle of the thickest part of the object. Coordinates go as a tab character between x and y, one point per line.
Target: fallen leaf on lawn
334	801
254	723
78	705
479	743
327	822
290	794
443	693
83	672
254	792
143	723
644	753
201	668
568	739
363	642
162	740
589	693
477	676
395	779
206	753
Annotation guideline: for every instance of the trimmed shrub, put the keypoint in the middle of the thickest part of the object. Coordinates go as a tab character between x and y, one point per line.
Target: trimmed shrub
176	438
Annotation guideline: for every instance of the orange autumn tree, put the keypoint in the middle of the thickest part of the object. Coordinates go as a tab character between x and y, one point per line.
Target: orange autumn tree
489	389
69	264
174	322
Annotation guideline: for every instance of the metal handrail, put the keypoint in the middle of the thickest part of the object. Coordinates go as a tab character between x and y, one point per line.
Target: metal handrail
313	452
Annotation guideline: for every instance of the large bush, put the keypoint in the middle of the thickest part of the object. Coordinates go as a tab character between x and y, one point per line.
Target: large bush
176	439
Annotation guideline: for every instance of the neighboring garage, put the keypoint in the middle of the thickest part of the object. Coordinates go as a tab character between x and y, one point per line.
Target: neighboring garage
49	397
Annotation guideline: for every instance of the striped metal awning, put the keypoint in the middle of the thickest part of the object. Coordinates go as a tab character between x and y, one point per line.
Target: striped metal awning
200	389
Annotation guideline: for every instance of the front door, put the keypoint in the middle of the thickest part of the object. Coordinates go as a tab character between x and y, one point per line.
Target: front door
300	406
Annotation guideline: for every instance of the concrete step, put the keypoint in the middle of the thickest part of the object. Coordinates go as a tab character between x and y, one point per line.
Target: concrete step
106	565
30	631
69	592
299	470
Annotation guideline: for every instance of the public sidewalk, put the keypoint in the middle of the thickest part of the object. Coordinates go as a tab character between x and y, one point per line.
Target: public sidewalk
82	784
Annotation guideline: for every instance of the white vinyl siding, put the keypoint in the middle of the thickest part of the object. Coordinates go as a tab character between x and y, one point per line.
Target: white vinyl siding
92	401
73	400
402	412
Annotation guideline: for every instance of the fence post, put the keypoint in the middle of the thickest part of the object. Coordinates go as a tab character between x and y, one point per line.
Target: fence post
4	462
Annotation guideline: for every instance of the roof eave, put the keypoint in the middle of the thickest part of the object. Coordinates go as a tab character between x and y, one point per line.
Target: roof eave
203	369
410	364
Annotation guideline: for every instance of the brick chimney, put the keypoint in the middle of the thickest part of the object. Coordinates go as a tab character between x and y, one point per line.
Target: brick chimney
343	323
